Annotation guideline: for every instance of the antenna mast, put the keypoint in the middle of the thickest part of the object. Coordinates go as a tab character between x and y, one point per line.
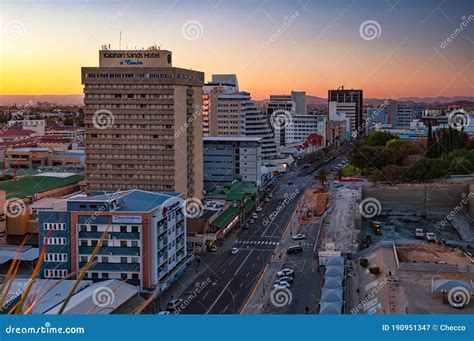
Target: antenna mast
120	41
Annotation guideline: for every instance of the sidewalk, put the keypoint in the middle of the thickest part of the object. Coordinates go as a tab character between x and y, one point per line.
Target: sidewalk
261	292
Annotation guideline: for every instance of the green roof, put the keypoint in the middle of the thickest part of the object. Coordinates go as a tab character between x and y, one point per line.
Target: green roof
30	185
235	191
226	217
249	204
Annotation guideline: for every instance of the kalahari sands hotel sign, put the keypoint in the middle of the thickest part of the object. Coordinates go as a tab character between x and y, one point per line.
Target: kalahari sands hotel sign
143	58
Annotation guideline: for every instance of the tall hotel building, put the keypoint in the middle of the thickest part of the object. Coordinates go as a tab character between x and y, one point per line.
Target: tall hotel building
143	123
347	105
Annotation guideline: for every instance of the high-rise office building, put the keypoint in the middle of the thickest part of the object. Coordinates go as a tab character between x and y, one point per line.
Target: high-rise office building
230	112
348	105
400	114
143	123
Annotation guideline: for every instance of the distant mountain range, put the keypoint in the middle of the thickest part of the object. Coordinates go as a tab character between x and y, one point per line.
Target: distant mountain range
77	99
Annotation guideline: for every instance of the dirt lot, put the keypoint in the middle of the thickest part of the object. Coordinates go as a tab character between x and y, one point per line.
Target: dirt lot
431	253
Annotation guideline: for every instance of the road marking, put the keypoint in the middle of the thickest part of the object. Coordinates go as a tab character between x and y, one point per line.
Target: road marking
223	272
204	297
243	262
218	297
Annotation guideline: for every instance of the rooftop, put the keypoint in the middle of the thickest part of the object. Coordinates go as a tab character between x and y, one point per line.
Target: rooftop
235	191
131	201
30	185
231	139
226	217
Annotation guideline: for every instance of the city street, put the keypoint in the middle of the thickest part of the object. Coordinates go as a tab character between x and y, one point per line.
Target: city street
233	277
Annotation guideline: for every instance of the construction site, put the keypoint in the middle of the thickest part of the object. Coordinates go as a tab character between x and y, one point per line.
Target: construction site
412	250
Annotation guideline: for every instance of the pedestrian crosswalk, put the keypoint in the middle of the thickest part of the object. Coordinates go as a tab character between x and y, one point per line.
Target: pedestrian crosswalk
266	242
259	242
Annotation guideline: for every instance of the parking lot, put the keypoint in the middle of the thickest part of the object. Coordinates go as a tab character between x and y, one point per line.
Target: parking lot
402	227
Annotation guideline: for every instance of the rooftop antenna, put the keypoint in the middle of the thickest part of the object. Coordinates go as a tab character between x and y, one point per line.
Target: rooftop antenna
120	41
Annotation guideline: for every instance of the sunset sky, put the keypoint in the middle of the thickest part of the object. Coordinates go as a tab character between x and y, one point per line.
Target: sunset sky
272	46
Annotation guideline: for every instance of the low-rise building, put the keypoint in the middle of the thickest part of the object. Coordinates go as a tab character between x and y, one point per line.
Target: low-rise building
144	245
227	158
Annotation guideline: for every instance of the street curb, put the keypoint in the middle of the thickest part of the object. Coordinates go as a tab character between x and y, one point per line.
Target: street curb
262	273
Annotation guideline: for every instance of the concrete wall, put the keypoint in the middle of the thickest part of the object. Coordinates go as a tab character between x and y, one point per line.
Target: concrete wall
430	196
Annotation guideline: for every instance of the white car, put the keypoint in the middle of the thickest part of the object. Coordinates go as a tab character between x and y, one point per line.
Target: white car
166	312
299	236
254	216
251	221
213	248
419	233
234	250
259	209
281	285
430	236
286	272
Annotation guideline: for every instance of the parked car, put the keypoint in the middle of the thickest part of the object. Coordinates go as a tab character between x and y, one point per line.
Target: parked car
293	250
254	216
166	312
251	221
234	250
299	236
419	234
285	279
246	226
431	237
269	195
259	209
267	200
282	285
173	304
286	272
290	183
213	248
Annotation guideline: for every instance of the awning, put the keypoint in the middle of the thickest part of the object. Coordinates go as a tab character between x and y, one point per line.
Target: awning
334	271
331	295
330	308
225	217
332	283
